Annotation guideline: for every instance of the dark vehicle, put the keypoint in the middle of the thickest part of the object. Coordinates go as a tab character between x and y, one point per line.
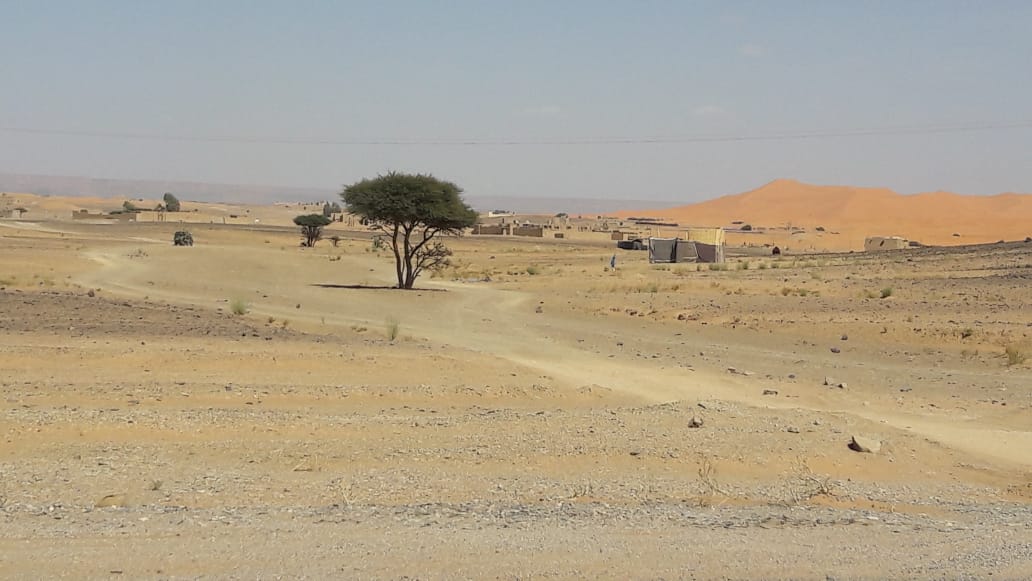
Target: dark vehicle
636	244
182	238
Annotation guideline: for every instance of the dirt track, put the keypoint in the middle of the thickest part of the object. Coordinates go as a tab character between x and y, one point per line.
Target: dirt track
495	440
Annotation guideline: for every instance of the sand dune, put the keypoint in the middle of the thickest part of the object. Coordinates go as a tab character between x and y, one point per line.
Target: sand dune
931	218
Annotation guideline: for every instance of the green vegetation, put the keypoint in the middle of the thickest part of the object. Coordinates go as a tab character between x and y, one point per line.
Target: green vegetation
239	306
886	292
412	210
171	202
311	228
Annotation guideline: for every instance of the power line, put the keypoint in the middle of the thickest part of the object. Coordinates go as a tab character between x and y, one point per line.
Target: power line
669	139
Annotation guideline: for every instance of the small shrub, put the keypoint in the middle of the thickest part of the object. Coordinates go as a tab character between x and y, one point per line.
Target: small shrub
533	270
1015	354
744	265
393	327
762	266
886	292
239	306
967	333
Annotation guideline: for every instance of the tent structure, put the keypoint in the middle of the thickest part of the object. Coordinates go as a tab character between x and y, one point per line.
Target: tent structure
666	250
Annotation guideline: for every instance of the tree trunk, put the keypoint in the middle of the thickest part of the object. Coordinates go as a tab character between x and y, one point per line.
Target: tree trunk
397	257
409	279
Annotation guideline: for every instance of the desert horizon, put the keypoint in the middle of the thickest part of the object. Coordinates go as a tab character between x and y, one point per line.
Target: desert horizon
784	212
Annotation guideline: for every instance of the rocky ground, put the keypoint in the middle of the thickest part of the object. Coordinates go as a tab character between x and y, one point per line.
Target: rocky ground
519	425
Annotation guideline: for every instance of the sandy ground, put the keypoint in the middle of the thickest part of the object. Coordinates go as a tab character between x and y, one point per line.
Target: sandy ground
537	414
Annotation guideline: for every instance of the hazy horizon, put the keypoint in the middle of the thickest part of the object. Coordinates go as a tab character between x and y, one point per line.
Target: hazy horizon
654	101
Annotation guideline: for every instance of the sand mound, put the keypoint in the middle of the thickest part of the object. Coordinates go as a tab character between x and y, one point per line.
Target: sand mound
932	218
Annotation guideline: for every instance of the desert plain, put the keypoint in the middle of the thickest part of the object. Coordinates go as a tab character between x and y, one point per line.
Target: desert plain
246	408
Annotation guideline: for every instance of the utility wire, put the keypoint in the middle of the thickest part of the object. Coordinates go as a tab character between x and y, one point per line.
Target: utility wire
670	139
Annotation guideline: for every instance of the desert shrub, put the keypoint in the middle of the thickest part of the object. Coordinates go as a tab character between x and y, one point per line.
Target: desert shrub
392	327
886	292
744	265
1015	354
532	270
964	334
239	306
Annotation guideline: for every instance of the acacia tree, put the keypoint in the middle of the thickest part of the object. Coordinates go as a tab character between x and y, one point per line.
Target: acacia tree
412	210
171	202
311	227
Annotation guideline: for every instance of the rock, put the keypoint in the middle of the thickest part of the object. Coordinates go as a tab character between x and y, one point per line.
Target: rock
834	383
736	371
845	337
112	500
842	385
91	294
865	445
695	422
770	392
817	422
538	309
836	350
792	430
829	381
791	375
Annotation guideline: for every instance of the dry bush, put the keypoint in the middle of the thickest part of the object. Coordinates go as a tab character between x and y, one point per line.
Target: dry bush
712	490
1016	354
239	306
393	328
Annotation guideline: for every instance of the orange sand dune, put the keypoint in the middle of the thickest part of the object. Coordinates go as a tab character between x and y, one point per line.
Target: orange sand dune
931	218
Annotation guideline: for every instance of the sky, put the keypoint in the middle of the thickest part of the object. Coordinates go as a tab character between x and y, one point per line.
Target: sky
651	100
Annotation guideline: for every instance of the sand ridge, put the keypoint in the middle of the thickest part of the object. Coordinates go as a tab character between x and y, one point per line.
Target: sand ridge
855	213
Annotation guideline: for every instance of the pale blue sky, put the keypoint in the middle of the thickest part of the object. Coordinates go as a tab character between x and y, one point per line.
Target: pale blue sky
528	72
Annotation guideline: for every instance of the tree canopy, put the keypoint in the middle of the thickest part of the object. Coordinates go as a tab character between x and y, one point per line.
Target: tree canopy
311	227
171	202
412	209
